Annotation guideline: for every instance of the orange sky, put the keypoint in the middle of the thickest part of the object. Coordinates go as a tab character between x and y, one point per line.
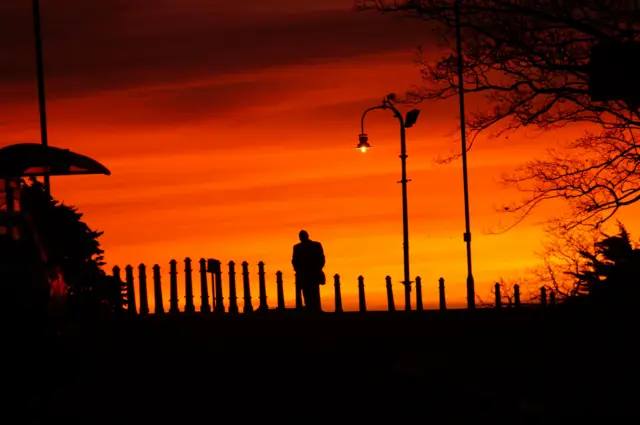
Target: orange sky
228	127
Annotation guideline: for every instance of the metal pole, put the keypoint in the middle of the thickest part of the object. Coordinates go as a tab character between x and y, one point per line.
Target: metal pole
471	299
405	215
41	96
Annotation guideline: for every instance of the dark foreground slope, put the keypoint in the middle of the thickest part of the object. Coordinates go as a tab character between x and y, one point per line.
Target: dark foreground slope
303	368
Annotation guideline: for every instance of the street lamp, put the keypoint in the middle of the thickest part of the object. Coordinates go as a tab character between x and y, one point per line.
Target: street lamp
363	145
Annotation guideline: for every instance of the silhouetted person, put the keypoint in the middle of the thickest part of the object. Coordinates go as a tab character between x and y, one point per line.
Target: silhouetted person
308	261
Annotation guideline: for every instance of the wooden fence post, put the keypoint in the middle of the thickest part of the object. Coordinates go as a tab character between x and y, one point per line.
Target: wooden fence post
246	289
142	283
173	287
441	291
498	295
419	306
189	307
391	305
362	301
215	268
157	290
280	289
233	299
205	307
262	288
337	293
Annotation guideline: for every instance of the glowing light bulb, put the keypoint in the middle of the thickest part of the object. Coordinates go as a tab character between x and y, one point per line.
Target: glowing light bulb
363	149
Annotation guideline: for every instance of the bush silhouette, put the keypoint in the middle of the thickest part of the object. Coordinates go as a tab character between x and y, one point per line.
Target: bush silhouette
73	247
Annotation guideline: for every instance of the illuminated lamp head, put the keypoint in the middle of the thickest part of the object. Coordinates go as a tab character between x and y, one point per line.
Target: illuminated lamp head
363	143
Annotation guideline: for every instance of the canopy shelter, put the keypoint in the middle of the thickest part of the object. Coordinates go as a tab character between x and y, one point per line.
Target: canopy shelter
29	281
34	159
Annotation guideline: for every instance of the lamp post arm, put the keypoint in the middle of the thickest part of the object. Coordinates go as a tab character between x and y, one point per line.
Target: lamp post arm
364	114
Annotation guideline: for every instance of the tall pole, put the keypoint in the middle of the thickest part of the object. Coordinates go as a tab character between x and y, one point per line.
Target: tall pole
471	298
405	214
41	96
386	104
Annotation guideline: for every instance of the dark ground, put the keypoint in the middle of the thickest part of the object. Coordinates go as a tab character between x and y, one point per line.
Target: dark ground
438	367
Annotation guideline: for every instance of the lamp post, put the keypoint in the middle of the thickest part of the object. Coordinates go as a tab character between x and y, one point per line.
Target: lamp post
471	297
40	72
363	145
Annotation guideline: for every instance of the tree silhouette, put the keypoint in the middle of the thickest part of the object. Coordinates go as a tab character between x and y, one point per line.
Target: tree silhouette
528	63
613	270
604	267
72	246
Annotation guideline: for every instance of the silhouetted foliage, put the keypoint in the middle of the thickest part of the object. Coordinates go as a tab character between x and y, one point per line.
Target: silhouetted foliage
604	267
71	245
528	62
613	270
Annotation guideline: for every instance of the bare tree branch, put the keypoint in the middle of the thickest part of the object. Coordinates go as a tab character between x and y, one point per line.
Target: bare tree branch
528	61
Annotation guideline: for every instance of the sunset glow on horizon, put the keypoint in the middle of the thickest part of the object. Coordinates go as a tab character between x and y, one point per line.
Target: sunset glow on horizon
229	127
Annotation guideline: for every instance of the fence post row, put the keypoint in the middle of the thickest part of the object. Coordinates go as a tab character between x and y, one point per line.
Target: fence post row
212	266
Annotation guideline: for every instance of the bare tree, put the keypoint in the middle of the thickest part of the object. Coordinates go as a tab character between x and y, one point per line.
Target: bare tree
563	256
529	61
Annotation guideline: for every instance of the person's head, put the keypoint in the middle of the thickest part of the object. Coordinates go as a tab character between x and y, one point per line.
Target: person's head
303	235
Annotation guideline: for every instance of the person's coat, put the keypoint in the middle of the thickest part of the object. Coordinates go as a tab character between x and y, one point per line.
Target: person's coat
308	262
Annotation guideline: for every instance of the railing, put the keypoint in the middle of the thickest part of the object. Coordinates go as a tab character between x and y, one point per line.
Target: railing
211	282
